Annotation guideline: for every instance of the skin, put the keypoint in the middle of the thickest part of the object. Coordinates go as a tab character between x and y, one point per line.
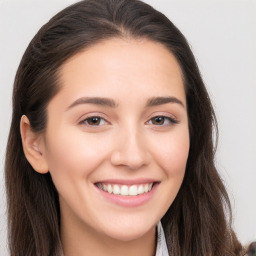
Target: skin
127	143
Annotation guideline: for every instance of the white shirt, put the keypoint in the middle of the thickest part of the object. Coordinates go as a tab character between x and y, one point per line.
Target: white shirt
161	247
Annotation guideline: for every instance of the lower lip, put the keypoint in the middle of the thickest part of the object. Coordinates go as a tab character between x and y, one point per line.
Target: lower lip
129	201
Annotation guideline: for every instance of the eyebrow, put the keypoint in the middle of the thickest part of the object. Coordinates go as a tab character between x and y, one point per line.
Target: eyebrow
94	100
154	101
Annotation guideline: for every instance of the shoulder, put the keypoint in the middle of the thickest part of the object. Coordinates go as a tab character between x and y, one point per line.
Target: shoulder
251	251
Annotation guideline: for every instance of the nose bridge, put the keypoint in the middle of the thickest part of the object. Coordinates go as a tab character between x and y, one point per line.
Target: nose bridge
130	150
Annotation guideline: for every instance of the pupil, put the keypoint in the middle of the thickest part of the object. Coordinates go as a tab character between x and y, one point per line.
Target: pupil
159	120
94	120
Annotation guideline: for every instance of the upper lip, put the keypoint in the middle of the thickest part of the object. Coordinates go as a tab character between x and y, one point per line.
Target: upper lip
127	181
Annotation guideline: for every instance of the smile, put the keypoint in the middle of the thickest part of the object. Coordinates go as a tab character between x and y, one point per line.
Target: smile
125	190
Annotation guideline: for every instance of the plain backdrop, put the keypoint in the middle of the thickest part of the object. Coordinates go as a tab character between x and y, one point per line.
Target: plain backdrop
222	35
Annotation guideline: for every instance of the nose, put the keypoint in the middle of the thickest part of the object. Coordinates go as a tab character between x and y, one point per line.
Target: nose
130	150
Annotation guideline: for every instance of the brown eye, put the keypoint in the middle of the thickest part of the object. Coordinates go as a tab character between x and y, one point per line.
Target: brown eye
158	120
162	121
94	121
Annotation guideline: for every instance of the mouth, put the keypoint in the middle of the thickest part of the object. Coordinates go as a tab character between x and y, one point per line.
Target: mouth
126	189
127	193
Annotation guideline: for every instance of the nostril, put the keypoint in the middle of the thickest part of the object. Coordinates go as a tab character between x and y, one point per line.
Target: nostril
130	160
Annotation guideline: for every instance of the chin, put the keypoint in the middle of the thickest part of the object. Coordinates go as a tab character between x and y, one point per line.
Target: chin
125	236
126	233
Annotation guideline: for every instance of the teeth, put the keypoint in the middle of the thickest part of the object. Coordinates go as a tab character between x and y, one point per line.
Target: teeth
140	190
133	190
109	188
126	190
116	190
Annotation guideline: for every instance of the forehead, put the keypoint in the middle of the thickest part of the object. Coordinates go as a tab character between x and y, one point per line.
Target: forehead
122	67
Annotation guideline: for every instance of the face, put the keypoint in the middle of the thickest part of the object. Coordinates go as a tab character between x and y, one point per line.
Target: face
117	139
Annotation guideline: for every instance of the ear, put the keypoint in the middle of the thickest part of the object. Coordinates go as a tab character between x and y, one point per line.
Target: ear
33	146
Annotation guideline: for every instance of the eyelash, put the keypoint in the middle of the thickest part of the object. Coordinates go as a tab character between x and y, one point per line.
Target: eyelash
171	121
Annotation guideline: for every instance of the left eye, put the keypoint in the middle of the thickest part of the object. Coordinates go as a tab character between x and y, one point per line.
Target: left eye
94	121
161	120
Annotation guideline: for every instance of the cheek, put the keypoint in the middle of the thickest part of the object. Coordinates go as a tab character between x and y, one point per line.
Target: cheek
171	153
71	155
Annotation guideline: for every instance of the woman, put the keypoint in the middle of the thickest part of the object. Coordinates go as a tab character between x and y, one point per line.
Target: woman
112	132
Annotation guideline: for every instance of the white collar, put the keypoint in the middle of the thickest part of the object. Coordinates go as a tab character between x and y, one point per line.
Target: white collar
161	247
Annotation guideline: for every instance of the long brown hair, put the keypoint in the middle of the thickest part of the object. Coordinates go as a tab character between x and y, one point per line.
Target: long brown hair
199	220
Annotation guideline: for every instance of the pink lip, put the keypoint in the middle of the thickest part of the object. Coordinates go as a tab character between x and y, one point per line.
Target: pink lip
128	201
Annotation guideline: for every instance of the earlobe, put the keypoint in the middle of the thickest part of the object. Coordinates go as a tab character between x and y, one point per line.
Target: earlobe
33	146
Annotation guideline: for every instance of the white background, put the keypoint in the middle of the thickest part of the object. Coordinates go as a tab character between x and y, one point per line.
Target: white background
222	35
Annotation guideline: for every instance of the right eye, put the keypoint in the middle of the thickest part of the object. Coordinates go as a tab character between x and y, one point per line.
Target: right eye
93	121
